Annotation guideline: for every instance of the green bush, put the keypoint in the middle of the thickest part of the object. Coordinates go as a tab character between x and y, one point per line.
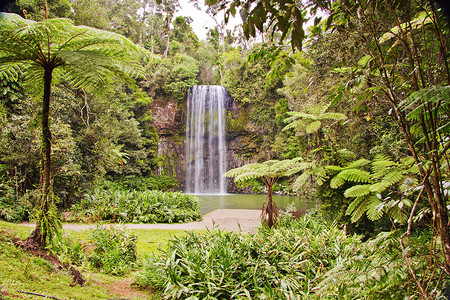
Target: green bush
301	259
137	207
13	209
160	183
112	250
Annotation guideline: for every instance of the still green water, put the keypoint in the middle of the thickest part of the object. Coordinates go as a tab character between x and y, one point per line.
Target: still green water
209	202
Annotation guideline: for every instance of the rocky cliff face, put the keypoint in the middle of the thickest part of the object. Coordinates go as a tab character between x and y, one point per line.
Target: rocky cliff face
170	122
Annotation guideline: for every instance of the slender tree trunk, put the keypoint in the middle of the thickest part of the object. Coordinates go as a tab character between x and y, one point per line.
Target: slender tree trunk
47	151
270	212
46	135
166	52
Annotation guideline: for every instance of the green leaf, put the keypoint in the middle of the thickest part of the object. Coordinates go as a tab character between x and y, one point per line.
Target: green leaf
374	208
355	175
336	182
313	127
358	163
300	181
333	116
358	191
356	208
364	61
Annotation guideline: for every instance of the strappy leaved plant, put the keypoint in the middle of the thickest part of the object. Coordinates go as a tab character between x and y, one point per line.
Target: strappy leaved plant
54	50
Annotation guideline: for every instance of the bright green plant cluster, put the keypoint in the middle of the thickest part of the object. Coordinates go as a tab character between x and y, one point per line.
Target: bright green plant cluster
300	259
136	207
115	250
160	183
111	250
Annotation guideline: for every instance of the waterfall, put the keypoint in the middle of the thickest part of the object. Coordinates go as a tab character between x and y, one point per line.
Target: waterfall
205	140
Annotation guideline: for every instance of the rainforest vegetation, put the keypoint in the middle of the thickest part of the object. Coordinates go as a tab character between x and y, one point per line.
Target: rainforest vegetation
345	102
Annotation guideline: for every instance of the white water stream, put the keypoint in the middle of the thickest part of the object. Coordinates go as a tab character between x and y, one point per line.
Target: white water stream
205	140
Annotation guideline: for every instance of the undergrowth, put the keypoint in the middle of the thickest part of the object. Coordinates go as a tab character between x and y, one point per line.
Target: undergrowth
110	250
300	259
136	206
22	273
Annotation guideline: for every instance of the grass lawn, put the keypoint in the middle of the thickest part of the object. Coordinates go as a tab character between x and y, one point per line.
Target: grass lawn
20	271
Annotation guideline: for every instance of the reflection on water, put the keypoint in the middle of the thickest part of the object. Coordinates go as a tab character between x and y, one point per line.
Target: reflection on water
209	202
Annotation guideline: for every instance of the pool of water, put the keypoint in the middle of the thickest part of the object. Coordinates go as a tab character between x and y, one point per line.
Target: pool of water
210	202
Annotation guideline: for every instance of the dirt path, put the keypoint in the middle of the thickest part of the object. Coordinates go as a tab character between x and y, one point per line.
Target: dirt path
226	219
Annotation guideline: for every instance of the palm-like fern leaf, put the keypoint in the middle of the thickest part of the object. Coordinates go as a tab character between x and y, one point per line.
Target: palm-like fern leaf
313	127
301	180
357	163
381	165
336	182
357	208
355	175
357	191
333	116
375	208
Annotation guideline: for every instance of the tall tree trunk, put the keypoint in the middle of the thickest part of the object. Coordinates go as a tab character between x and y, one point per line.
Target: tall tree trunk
47	151
270	210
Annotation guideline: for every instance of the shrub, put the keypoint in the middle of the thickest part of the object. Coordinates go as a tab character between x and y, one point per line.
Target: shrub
301	259
160	183
13	209
112	250
138	207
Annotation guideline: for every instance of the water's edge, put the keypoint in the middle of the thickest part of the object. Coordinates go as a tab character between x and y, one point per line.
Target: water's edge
210	202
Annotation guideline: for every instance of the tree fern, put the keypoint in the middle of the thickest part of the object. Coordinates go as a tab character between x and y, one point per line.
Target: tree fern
269	172
385	190
55	50
311	122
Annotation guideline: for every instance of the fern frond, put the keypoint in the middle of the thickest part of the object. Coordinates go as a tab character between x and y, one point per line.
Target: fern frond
300	181
345	154
247	176
320	174
357	208
357	163
355	175
296	125
336	182
333	116
300	115
380	165
333	169
357	191
374	208
313	127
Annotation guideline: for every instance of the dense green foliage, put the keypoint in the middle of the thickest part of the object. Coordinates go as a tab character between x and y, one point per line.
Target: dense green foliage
25	272
360	108
110	250
301	258
141	184
118	205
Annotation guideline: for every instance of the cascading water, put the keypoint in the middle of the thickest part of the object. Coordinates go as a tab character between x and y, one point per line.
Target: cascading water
205	140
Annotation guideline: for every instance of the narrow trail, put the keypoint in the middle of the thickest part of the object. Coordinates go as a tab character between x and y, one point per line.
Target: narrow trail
226	219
